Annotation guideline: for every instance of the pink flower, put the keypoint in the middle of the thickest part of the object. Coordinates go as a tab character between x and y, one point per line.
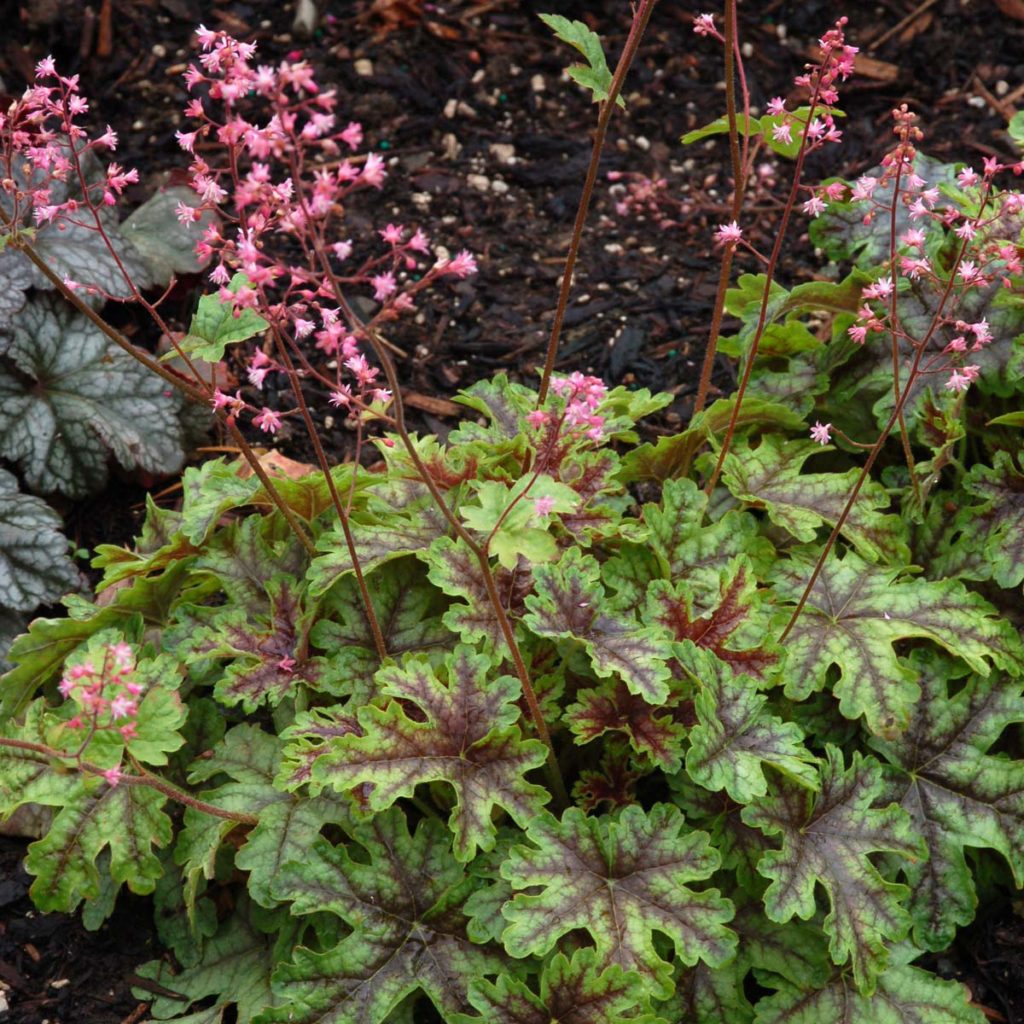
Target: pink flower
537	418
113	776
186	140
392	234
704	25
815	206
462	265
122	707
383	286
776	106
782	133
46	68
820	432
728	234
542	507
958	381
267	420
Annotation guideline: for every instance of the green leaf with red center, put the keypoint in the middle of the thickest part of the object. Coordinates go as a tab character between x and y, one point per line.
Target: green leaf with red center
463	732
408	612
456	571
905	995
958	793
402	894
991	533
246	763
735	735
828	839
570	991
654	732
855	614
569	602
772	477
266	654
620	878
733	629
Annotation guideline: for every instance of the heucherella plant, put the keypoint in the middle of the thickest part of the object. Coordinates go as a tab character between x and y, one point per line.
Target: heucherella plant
544	722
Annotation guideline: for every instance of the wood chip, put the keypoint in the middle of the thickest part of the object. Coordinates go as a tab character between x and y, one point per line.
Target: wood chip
437	406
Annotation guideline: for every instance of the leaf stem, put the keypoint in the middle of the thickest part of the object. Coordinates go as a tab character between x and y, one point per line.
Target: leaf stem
636	32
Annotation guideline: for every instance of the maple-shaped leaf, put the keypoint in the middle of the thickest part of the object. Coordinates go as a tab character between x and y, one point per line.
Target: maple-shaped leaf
570	991
34	564
92	816
456	571
856	612
507	519
402	893
772	477
464	732
827	839
733	628
957	792
234	970
266	659
406	525
735	735
569	601
72	399
611	707
710	995
246	763
621	878
682	545
990	532
408	611
504	404
601	500
905	995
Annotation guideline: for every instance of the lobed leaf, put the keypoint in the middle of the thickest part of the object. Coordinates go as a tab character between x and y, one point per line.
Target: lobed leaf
827	838
621	879
464	733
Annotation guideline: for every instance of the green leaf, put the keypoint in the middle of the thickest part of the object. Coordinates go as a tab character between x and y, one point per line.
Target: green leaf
652	731
958	793
772	477
621	879
827	838
905	995
734	628
991	531
575	991
508	518
402	894
92	816
214	325
594	76
569	601
464	734
735	735
720	126
17	280
855	614
34	565
249	760
235	970
72	399
164	244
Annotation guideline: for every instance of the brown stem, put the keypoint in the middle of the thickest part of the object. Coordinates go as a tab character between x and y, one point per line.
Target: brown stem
321	456
636	31
893	420
762	317
145	779
733	59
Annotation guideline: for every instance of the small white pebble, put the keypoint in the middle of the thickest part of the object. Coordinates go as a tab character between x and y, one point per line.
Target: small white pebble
363	67
976	101
478	181
450	107
498	186
503	152
1002	87
642	142
159	51
537	83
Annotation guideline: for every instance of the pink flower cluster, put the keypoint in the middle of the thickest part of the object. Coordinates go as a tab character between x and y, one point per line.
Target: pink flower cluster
280	191
42	149
582	395
107	696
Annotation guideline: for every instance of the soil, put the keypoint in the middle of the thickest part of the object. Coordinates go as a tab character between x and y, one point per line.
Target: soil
487	144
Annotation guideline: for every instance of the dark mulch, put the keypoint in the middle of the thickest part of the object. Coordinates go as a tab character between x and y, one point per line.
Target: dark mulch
446	94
